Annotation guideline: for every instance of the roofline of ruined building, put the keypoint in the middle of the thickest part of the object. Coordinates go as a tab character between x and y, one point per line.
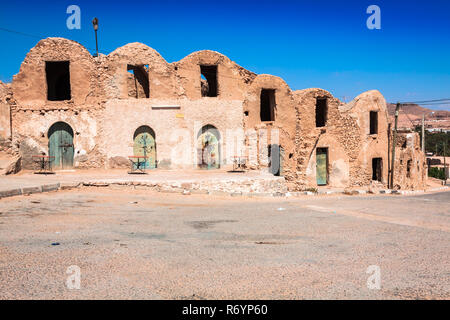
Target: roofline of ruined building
193	54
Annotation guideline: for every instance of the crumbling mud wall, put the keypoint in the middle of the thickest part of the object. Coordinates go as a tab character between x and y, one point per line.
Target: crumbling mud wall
35	111
264	136
175	109
118	82
32	138
410	168
371	145
345	136
5	112
30	85
232	80
105	99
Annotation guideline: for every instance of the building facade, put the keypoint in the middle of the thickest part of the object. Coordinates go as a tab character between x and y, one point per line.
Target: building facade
200	112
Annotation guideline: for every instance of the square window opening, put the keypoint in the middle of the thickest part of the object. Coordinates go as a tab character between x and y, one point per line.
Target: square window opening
208	81
373	122
138	82
267	105
58	80
408	168
321	112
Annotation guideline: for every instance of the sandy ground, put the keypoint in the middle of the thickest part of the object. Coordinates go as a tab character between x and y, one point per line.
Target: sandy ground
144	245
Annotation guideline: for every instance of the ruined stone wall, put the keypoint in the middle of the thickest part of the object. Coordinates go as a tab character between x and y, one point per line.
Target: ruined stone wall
31	136
104	117
114	75
281	131
410	168
371	145
346	135
175	110
30	84
34	114
232	79
104	113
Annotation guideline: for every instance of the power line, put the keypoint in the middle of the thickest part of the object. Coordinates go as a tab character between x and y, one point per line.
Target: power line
444	104
20	33
436	104
407	115
426	101
31	35
41	38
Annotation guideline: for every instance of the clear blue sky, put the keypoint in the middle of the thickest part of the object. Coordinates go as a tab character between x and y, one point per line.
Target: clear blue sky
323	44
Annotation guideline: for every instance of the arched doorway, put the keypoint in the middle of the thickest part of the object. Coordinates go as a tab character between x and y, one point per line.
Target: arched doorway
60	145
208	148
144	145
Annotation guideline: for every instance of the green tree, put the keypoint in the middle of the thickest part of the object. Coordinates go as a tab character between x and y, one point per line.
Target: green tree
434	141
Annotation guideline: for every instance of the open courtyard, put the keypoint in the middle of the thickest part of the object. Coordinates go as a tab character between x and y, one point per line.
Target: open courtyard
134	243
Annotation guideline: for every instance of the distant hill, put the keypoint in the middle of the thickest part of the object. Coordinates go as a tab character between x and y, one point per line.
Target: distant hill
411	115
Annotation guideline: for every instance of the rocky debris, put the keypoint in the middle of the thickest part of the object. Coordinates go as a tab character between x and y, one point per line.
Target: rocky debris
69	185
375	187
350	192
10	165
118	162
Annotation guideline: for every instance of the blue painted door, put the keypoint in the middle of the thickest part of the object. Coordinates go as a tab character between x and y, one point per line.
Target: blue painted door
145	146
208	148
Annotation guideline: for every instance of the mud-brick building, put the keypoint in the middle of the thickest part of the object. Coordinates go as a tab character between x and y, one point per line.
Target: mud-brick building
199	112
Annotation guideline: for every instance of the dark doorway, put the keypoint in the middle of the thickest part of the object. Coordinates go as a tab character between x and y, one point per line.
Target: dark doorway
377	169
58	80
373	122
408	168
321	112
208	81
275	155
267	105
138	83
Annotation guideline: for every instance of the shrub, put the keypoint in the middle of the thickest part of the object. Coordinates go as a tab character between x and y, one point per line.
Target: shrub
436	173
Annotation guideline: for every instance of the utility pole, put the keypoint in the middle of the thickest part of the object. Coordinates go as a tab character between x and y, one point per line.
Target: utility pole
394	141
423	132
445	165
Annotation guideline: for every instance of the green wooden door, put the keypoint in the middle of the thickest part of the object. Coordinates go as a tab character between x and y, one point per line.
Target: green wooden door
321	166
209	148
60	145
145	146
